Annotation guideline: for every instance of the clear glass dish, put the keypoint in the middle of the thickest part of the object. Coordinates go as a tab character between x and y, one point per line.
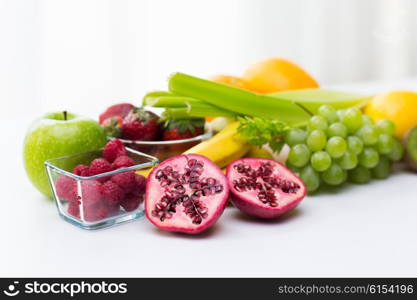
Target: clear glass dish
81	200
165	149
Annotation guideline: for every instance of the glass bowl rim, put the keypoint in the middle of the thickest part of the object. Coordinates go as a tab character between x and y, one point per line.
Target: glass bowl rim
153	162
197	138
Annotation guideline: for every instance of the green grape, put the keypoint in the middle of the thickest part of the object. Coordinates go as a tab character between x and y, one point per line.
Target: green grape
340	113
320	161
366	120
317	122
311	178
328	112
368	134
355	144
348	161
368	158
337	129
382	169
293	168
316	140
386	126
397	152
352	119
360	175
295	136
385	143
299	155
336	146
334	175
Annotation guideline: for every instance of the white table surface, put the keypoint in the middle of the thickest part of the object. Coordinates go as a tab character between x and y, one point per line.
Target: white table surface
367	230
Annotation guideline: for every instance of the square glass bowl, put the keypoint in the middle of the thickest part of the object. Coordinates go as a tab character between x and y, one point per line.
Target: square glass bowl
165	149
82	201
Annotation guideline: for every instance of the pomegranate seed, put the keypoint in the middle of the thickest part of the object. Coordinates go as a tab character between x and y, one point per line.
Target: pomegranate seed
193	207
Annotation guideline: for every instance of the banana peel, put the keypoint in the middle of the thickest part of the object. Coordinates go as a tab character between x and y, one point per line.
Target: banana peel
223	148
259	152
144	172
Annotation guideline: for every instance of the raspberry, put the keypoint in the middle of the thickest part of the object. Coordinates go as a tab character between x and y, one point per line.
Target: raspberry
114	209
125	180
114	149
82	170
112	193
96	212
141	182
91	192
66	188
100	165
74	209
140	186
131	202
123	162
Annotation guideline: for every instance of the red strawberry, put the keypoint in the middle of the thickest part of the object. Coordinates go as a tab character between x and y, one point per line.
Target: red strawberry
141	125
131	202
123	162
66	188
117	110
125	180
112	193
100	165
183	129
114	149
82	170
113	126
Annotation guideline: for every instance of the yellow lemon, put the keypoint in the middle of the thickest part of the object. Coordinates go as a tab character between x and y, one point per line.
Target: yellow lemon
397	106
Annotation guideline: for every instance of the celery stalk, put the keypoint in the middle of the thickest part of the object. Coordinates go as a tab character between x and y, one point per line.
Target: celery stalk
171	101
237	100
177	113
311	99
151	96
196	110
185	107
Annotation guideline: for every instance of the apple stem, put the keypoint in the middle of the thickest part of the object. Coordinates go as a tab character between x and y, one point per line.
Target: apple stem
65	115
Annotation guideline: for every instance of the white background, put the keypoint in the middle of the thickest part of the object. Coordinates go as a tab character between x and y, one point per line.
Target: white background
84	55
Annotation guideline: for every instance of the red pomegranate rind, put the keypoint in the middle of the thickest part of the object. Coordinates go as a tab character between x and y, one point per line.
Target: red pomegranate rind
264	188
186	193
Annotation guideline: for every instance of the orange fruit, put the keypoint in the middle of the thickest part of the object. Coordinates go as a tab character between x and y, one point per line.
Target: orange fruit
397	106
230	80
277	74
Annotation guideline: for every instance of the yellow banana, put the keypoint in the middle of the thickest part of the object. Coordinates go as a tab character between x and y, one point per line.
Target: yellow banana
223	148
144	172
258	152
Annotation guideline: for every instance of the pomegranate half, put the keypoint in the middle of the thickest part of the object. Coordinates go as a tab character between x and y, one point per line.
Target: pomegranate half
264	188
186	193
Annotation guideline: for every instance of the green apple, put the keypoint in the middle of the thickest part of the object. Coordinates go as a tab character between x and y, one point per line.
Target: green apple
55	135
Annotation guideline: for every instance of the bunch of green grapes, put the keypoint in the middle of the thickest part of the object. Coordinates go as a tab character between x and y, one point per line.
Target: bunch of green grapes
342	145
